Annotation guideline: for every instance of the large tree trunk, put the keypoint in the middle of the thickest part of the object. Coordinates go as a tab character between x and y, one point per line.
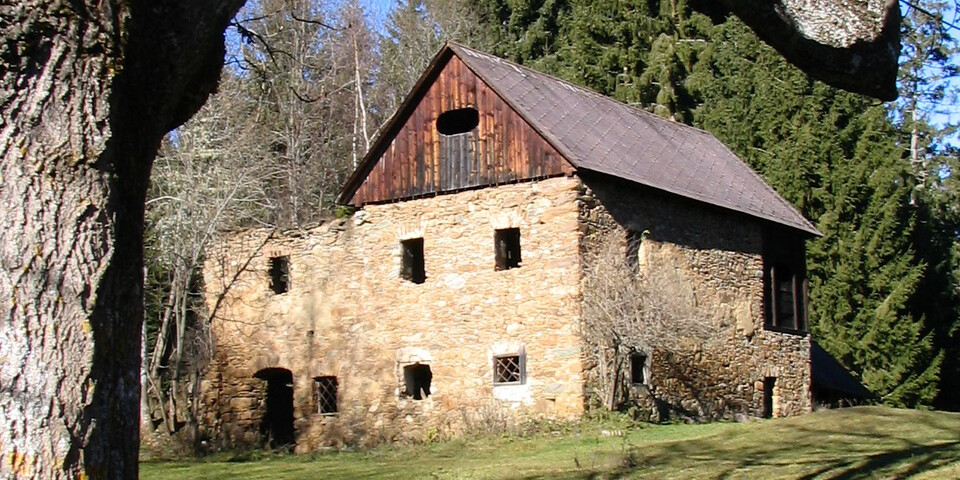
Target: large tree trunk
87	90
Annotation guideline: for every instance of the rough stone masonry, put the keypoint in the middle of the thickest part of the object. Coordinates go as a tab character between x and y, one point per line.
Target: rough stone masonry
349	315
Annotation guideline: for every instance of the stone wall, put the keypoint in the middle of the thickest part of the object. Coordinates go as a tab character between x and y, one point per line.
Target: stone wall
349	314
718	254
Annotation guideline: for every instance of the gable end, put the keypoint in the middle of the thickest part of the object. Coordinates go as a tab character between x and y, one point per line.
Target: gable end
414	158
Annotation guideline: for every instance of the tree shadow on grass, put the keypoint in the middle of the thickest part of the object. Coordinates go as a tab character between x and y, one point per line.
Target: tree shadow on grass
888	444
912	461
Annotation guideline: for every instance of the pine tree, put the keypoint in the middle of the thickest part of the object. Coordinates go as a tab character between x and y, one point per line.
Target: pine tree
835	156
524	31
926	87
831	153
414	32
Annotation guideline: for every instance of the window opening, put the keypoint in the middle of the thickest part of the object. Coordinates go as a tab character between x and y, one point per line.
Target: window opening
280	274
507	246
769	384
417	379
784	283
325	389
461	120
784	295
638	367
412	266
508	368
785	299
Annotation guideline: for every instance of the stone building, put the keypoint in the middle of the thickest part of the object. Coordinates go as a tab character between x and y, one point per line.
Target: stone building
452	298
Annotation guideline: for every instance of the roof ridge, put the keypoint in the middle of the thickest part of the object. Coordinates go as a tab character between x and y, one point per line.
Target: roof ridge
460	50
581	88
548	136
594	132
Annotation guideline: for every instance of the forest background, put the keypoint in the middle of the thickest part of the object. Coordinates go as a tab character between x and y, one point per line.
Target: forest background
309	82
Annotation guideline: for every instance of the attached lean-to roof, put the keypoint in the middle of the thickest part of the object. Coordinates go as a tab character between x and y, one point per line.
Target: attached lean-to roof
826	372
597	133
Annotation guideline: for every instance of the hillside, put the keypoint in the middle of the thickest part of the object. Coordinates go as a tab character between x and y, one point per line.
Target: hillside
864	442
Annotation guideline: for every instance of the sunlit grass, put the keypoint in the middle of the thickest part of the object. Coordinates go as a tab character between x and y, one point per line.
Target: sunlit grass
868	442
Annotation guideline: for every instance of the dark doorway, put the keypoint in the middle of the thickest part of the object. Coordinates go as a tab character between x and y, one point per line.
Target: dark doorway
769	383
276	428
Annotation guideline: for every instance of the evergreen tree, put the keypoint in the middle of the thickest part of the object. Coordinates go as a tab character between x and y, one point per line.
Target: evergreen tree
834	155
926	88
524	31
638	52
415	31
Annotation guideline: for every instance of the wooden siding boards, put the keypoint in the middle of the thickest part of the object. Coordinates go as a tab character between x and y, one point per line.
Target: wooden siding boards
420	161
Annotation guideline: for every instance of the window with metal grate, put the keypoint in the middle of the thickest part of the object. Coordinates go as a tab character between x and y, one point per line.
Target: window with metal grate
509	369
325	389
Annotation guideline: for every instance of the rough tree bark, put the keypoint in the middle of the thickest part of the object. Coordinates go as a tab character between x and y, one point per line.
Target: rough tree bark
87	90
851	44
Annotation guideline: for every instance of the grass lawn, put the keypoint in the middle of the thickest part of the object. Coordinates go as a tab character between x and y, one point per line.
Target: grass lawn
855	443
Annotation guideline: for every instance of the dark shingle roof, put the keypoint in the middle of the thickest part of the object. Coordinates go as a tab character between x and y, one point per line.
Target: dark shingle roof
598	133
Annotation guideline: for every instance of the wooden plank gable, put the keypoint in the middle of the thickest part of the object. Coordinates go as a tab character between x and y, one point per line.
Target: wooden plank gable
419	160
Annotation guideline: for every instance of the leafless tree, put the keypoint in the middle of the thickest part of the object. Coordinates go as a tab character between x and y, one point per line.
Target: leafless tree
203	183
304	65
633	300
266	151
415	31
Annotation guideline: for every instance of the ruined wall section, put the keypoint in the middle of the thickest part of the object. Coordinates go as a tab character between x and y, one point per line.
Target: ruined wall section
348	313
717	253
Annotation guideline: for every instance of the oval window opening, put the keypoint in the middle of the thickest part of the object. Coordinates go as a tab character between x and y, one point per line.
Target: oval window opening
461	120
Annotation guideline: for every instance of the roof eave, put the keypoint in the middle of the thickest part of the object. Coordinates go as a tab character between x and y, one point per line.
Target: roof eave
807	230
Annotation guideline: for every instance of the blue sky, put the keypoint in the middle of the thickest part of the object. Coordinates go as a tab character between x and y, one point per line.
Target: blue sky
379	9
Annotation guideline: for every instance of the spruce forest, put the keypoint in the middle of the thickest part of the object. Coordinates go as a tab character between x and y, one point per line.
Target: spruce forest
307	83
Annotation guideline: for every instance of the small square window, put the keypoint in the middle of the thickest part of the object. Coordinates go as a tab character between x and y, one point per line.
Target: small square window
411	263
507	245
280	274
417	379
638	368
325	389
509	369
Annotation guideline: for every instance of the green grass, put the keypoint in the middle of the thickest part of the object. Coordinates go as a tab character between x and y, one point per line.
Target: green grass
856	443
